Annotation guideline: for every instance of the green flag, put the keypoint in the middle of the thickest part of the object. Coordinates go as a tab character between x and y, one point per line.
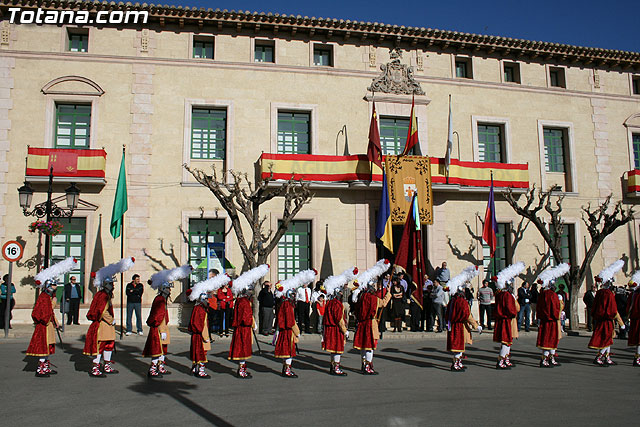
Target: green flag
119	202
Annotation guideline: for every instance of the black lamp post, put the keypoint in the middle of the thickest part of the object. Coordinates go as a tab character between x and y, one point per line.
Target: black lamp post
48	209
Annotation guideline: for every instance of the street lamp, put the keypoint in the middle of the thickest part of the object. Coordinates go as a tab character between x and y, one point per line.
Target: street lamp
48	209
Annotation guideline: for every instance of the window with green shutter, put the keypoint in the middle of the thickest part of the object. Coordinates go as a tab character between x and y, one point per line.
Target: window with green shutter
203	47
393	135
490	143
501	258
294	132
78	42
294	249
554	149
635	140
263	52
208	133
70	243
73	126
323	55
201	232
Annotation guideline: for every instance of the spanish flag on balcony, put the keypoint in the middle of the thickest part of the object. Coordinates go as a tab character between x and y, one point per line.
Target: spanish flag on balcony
412	133
66	162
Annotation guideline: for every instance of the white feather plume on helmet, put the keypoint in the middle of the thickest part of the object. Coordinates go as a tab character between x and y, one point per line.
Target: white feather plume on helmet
165	277
509	273
107	272
248	278
209	285
608	273
636	279
550	274
301	278
371	275
333	283
461	279
50	274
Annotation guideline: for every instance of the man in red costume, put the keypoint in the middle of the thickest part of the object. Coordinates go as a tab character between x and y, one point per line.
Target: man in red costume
367	333
199	329
242	340
548	311
334	331
158	338
288	333
506	310
43	341
100	339
633	309
460	322
605	312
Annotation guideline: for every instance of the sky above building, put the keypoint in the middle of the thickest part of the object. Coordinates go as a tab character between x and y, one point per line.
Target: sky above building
609	25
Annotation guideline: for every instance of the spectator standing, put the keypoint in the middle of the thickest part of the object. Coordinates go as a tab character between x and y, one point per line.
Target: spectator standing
524	299
303	304
212	309
321	304
266	303
485	299
443	274
437	304
134	292
564	299
3	301
72	298
621	303
468	295
397	304
534	302
225	308
426	304
588	299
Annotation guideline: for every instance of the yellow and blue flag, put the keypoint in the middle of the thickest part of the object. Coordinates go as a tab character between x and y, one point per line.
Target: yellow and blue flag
384	232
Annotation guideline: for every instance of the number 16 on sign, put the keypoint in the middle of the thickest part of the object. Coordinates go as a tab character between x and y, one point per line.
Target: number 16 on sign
11	251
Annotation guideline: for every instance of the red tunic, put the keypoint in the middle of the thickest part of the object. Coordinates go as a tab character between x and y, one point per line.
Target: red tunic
225	298
332	324
42	315
197	324
548	312
242	323
633	308
99	302
457	315
366	309
285	344
604	311
505	311
153	347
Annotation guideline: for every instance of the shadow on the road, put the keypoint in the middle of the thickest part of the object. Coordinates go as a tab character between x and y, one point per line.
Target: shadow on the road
31	362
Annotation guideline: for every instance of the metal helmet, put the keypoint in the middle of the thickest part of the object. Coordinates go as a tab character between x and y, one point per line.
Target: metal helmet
165	289
290	294
107	284
49	286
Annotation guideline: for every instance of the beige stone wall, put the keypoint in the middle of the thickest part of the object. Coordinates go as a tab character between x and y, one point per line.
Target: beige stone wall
148	97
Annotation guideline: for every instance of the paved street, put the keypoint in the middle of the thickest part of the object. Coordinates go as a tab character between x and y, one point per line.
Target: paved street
415	387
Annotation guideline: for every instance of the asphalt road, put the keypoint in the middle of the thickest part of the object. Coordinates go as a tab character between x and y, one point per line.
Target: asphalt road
415	388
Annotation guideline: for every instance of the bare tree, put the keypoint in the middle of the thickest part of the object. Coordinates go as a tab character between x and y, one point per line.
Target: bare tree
242	199
600	221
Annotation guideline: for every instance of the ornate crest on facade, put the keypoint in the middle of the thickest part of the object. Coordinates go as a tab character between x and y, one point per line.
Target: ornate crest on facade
396	78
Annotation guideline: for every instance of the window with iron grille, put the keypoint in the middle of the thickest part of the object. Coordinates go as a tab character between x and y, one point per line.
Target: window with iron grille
70	243
73	125
294	249
294	135
208	133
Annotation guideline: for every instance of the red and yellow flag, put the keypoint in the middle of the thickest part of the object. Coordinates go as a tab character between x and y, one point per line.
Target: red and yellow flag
66	162
412	134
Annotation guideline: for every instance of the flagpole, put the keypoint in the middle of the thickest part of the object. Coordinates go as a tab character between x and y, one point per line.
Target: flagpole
493	258
122	273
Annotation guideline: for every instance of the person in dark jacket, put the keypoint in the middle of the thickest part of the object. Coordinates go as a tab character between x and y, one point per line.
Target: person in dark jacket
134	303
588	298
524	300
72	298
266	302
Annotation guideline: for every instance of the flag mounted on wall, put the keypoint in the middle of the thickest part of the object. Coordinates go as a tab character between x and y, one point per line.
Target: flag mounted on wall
490	228
384	230
412	133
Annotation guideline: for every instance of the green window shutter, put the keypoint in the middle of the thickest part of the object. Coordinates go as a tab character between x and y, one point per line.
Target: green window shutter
78	42
201	232
322	56
490	143
73	126
263	53
70	243
294	249
208	133
203	49
636	149
554	150
393	135
294	132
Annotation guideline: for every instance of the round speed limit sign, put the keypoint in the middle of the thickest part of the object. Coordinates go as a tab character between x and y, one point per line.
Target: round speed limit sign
12	251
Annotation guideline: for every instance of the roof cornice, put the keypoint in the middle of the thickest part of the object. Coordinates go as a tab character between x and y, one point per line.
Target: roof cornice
297	26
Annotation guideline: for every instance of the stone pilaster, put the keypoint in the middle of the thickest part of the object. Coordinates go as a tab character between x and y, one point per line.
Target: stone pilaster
139	165
6	104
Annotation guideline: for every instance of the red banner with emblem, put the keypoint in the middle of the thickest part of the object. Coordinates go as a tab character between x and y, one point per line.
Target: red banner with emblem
66	162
